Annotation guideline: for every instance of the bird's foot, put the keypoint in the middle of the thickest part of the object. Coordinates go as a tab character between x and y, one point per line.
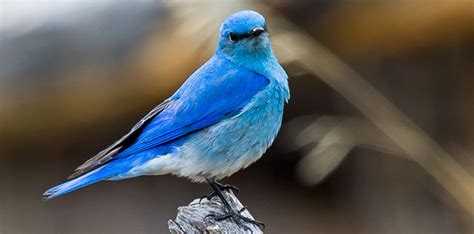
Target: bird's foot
227	187
238	218
222	187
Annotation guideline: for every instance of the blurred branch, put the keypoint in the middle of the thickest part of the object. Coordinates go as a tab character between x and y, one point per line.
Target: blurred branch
336	137
192	218
376	107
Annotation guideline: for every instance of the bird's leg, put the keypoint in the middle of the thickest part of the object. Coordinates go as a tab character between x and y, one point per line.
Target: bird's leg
221	187
231	213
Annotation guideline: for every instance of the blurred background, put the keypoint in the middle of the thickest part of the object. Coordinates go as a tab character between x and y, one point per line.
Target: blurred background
378	136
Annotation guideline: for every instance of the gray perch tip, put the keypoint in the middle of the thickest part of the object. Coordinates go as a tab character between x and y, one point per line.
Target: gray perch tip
192	218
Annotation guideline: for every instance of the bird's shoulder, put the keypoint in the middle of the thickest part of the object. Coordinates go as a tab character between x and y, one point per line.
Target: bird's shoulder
220	74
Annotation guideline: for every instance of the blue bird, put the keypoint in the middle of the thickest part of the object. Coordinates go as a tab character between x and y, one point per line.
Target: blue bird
222	119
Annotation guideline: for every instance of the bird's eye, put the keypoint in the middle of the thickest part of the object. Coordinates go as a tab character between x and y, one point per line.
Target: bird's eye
233	37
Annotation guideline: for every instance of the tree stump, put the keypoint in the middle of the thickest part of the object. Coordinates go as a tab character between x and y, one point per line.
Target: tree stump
192	218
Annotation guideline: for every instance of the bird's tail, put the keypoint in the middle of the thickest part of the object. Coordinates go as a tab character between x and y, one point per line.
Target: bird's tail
102	173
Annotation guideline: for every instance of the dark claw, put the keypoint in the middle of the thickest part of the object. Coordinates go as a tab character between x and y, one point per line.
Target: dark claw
209	215
227	187
238	218
235	215
208	197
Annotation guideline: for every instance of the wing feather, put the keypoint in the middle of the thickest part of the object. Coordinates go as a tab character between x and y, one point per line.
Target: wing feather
216	91
107	154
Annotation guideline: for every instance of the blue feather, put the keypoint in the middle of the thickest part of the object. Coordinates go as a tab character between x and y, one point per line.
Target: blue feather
94	176
110	170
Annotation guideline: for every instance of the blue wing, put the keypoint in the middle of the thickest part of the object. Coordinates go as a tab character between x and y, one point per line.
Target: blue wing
216	91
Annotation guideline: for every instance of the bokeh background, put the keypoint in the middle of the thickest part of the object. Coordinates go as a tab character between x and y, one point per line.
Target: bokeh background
377	138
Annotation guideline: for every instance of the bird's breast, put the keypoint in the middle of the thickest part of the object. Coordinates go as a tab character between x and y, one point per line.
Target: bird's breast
234	143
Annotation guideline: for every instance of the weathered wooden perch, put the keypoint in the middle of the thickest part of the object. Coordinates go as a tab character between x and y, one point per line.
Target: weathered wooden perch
191	218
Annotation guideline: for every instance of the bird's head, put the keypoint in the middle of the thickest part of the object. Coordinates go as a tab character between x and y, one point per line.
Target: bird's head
244	35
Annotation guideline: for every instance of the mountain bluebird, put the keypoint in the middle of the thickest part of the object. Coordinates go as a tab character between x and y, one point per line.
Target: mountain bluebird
222	119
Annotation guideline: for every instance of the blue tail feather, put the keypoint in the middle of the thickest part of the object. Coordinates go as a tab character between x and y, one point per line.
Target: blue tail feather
102	173
113	170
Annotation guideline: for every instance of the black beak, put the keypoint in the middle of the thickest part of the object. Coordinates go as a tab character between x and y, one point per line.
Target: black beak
256	31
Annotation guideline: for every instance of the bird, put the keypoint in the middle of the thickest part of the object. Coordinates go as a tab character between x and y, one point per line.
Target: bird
222	119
